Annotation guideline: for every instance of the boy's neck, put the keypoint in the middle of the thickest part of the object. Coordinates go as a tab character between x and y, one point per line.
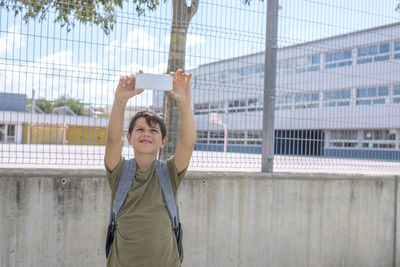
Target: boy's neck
144	161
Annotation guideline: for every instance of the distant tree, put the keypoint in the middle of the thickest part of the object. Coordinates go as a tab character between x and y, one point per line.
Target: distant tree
75	105
45	105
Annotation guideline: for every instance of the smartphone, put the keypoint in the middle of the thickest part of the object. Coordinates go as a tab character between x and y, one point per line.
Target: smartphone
153	81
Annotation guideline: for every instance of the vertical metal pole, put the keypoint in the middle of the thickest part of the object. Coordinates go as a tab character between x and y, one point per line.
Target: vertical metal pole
267	159
225	136
29	135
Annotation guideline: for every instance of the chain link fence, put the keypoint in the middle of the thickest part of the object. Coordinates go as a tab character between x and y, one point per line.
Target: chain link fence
336	99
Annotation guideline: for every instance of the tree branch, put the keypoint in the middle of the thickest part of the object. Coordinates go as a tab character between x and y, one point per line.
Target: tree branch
193	9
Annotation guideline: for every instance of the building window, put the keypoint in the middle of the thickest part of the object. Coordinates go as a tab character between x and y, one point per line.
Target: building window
283	102
372	95
7	133
201	108
343	138
236	134
202	134
236	75
11	133
397	49
218	107
255	104
285	67
302	64
236	137
309	63
308	100
337	98
254	137
2	132
253	70
338	59
373	53
396	94
379	139
237	105
217	134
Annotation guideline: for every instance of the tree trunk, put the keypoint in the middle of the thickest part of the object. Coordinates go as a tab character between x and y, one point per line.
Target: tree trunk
182	14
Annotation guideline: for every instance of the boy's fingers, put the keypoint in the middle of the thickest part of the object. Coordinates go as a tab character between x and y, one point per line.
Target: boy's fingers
130	78
140	71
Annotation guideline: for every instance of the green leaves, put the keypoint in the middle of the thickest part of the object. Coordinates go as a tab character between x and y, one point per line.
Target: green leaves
75	105
48	106
98	12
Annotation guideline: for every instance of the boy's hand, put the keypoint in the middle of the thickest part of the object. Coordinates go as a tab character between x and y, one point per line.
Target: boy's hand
126	87
181	84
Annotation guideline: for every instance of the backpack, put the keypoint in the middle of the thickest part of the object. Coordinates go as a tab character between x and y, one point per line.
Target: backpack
124	185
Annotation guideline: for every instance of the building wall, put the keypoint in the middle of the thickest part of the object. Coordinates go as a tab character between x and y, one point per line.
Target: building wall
44	133
59	218
86	135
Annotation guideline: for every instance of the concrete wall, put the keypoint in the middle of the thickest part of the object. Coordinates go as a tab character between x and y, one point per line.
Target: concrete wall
229	219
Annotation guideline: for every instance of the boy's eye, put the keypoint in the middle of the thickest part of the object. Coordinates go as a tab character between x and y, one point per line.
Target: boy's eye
154	131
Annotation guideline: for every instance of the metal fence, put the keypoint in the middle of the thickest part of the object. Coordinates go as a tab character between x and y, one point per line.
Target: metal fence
334	101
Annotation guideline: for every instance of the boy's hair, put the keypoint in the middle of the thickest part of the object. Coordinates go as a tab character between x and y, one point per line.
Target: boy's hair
151	118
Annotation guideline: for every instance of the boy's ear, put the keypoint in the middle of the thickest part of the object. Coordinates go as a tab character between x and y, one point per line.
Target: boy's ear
164	142
128	136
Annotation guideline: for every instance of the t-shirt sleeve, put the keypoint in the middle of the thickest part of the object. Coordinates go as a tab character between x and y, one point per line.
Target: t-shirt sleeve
175	176
113	175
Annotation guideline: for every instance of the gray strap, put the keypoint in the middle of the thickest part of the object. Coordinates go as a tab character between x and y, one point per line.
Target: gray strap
124	185
164	177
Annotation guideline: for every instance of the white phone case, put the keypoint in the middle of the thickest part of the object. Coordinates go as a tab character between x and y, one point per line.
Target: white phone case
153	81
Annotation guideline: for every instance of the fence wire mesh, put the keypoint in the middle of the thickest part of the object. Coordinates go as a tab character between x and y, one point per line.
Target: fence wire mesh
337	95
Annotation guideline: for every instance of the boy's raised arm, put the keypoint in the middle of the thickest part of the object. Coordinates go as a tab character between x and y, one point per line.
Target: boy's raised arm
125	90
182	94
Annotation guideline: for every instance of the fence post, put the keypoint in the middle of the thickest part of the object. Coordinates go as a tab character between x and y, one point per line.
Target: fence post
267	159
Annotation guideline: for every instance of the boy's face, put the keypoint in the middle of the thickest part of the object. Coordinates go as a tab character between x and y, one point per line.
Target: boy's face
146	139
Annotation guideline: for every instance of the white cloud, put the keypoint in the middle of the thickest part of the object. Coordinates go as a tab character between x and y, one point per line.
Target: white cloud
139	39
136	39
191	40
11	40
56	75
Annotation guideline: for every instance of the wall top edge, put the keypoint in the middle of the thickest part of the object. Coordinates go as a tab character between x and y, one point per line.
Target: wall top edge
205	175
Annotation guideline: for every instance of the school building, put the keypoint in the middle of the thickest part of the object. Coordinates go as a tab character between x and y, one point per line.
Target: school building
335	97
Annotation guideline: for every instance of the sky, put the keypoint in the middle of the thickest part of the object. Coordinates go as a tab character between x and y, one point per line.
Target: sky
86	64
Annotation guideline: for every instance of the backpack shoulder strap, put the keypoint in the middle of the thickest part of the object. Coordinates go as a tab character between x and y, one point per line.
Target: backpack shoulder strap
124	185
164	177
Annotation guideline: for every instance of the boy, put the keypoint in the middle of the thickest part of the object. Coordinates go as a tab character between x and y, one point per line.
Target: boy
144	235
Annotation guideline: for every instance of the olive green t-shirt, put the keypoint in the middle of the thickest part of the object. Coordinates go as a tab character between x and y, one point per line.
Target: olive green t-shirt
144	234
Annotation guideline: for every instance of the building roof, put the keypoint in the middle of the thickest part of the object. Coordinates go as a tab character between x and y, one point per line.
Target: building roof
64	110
36	109
12	102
